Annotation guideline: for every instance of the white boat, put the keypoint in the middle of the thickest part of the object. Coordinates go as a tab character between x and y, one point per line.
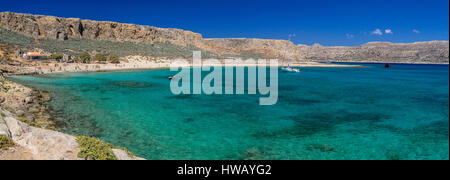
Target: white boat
289	69
296	70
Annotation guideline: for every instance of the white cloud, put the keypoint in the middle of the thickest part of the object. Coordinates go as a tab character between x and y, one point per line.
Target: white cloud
388	31
350	36
377	32
416	31
291	36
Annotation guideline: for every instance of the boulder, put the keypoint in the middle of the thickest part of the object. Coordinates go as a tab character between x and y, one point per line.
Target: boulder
28	100
3	128
42	143
122	155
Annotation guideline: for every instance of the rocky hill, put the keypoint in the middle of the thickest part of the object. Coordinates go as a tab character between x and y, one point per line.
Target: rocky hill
74	35
49	27
419	52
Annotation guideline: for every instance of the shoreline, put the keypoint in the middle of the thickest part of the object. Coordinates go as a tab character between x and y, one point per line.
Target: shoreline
140	63
405	63
56	67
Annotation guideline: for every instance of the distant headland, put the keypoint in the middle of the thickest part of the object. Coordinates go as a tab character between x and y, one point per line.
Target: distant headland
72	36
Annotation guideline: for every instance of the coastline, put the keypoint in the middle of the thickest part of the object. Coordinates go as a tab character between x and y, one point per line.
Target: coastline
405	62
136	64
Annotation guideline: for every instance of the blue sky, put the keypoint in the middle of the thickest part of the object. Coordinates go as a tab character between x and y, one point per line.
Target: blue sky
328	22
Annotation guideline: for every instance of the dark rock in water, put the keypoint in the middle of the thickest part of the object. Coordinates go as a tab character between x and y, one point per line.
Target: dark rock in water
182	96
391	155
188	120
321	147
131	84
312	123
387	65
253	154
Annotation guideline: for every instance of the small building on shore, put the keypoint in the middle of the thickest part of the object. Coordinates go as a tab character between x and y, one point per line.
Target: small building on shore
33	56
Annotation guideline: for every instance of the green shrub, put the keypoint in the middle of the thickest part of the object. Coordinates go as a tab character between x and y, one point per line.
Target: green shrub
84	58
100	57
114	58
57	56
29	122
76	59
94	149
45	58
5	142
5	58
6	88
3	86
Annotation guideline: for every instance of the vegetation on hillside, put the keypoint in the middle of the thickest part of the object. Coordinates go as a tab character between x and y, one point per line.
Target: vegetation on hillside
100	57
57	56
41	124
6	58
246	56
94	149
5	142
113	58
75	47
84	58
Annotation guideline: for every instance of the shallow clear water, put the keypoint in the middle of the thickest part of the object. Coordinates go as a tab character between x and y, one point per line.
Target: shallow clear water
322	113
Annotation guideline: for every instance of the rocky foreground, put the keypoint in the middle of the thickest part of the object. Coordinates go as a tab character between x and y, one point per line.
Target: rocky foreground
113	34
32	136
31	143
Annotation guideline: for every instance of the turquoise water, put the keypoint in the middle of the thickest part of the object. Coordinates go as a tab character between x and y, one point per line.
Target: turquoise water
322	113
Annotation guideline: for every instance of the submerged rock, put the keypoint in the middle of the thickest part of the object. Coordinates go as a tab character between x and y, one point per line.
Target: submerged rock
131	84
321	147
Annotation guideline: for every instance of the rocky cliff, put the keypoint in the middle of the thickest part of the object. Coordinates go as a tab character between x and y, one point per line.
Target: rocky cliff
63	29
419	52
50	27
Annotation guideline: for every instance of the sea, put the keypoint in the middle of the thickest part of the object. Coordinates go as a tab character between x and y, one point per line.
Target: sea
370	112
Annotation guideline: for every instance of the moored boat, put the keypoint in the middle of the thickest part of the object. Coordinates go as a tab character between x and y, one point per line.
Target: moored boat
289	69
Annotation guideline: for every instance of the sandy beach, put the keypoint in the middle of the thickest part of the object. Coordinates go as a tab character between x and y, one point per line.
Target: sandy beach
136	64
